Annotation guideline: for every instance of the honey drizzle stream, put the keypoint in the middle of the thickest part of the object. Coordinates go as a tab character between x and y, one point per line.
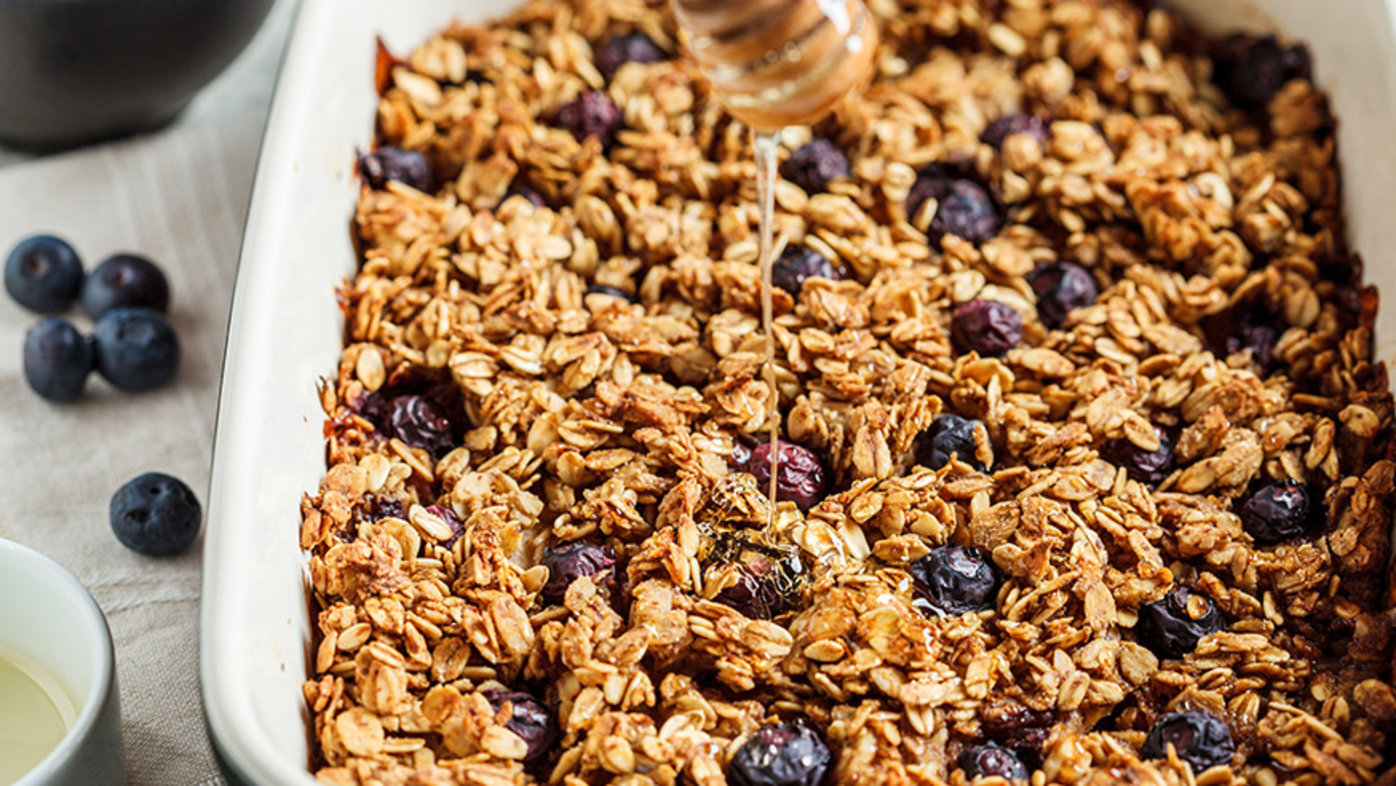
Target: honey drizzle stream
767	151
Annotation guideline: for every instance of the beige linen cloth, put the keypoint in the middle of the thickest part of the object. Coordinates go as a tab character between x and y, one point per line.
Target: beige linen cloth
178	197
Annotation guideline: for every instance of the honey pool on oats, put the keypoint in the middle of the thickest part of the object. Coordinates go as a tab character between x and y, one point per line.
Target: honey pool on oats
1084	457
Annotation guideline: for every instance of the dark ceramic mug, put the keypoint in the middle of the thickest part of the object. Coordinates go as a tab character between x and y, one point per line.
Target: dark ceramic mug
77	71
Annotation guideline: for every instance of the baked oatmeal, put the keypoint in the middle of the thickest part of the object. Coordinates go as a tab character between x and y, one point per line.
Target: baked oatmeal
1085	470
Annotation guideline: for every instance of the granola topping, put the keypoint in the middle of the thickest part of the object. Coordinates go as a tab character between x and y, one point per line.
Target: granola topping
1139	532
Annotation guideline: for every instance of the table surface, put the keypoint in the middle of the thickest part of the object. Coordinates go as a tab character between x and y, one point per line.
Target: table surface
178	196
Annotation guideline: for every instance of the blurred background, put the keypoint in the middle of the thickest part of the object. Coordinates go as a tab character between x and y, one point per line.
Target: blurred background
177	195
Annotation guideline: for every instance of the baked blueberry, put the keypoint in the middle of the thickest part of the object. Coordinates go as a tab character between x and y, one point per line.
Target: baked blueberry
982	761
382	507
954	580
528	717
1171	627
740	457
799	472
988	327
949	434
422	423
593	113
756	594
125	280
57	359
630	48
781	754
798	263
765	580
155	515
453	521
1339	268
609	291
1258	338
534	198
43	273
1023	731
812	165
1062	287
408	167
136	348
1276	512
964	207
1252	70
1145	466
1200	739
567	562
1018	123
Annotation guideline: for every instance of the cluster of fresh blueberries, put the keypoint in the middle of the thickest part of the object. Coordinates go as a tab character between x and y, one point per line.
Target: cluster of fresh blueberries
949	580
132	346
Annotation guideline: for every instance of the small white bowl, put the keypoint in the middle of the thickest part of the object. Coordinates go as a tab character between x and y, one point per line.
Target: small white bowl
49	618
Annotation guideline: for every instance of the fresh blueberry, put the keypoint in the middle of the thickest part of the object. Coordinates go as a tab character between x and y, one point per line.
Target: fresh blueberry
529	718
814	164
567	562
1008	125
988	327
1277	512
954	580
43	273
782	754
1062	287
796	264
1169	629
982	761
766	581
964	207
607	290
136	348
57	359
125	280
408	167
422	423
1144	466
593	113
1200	738
949	434
155	515
1252	70
632	48
799	473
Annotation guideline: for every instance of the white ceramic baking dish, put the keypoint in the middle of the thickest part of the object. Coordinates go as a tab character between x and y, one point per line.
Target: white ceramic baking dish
286	327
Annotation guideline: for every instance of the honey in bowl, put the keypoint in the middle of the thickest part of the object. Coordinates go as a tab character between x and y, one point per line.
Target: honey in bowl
35	714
